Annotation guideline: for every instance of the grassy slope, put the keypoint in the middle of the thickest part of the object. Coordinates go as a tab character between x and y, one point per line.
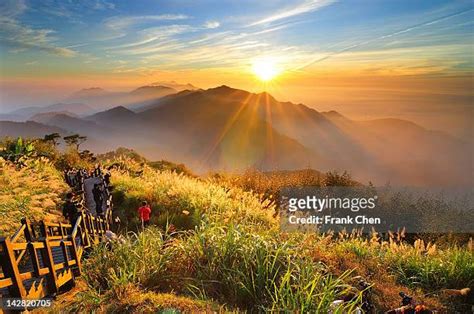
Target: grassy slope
33	191
236	256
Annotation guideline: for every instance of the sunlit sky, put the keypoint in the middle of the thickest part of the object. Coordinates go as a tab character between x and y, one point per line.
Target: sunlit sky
67	45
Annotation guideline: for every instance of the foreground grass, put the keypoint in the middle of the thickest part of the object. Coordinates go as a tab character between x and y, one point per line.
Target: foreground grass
231	266
33	191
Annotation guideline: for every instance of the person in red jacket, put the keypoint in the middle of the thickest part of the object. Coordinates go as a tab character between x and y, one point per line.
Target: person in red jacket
144	212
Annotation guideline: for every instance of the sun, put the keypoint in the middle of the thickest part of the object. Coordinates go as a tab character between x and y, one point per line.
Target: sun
265	69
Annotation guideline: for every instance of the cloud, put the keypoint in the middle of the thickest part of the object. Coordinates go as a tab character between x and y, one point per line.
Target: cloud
72	8
212	24
21	37
121	22
383	37
153	39
103	5
12	8
305	7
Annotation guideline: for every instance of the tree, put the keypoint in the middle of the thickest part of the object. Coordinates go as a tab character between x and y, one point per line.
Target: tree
75	140
52	138
87	155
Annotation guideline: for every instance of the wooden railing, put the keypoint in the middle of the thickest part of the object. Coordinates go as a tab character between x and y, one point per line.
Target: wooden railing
42	258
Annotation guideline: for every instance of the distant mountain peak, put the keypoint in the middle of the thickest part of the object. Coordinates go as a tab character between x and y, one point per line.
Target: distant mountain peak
148	89
175	85
119	109
114	114
223	89
45	116
88	92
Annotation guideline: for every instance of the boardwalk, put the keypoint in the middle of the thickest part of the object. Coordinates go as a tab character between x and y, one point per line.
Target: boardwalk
43	258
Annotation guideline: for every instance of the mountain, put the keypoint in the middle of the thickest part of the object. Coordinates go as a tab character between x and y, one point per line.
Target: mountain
28	129
47	116
381	151
229	129
11	117
115	118
70	108
153	91
101	99
175	85
70	123
89	92
155	103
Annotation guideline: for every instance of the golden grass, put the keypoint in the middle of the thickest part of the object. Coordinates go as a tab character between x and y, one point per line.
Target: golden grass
33	192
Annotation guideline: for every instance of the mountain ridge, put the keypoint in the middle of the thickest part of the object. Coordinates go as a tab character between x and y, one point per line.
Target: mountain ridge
223	128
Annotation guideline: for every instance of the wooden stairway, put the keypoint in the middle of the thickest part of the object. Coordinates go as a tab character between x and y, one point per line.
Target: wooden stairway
44	258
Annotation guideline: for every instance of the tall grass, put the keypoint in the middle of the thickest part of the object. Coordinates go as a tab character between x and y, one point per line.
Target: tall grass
231	265
33	191
184	201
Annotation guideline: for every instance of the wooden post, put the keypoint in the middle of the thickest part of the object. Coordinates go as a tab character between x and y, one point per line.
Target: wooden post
75	254
10	270
61	233
49	261
85	230
64	250
29	234
34	258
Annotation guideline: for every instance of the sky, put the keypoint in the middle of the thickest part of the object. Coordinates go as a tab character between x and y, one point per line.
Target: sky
51	48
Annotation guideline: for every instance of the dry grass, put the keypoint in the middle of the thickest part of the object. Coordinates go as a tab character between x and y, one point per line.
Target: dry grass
33	192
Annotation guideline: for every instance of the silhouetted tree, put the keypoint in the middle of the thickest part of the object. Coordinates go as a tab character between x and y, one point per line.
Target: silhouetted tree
52	138
87	155
75	140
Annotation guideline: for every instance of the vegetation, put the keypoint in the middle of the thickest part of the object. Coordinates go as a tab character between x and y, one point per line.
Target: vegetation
16	150
33	191
215	243
75	140
225	248
270	184
121	157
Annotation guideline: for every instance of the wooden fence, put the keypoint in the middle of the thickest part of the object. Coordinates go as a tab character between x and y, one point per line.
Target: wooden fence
42	258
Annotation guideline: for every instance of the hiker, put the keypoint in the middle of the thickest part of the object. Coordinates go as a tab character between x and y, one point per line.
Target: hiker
70	209
78	180
107	178
72	177
98	198
97	171
66	177
144	212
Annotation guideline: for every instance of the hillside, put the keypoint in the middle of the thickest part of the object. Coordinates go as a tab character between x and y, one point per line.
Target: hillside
234	257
